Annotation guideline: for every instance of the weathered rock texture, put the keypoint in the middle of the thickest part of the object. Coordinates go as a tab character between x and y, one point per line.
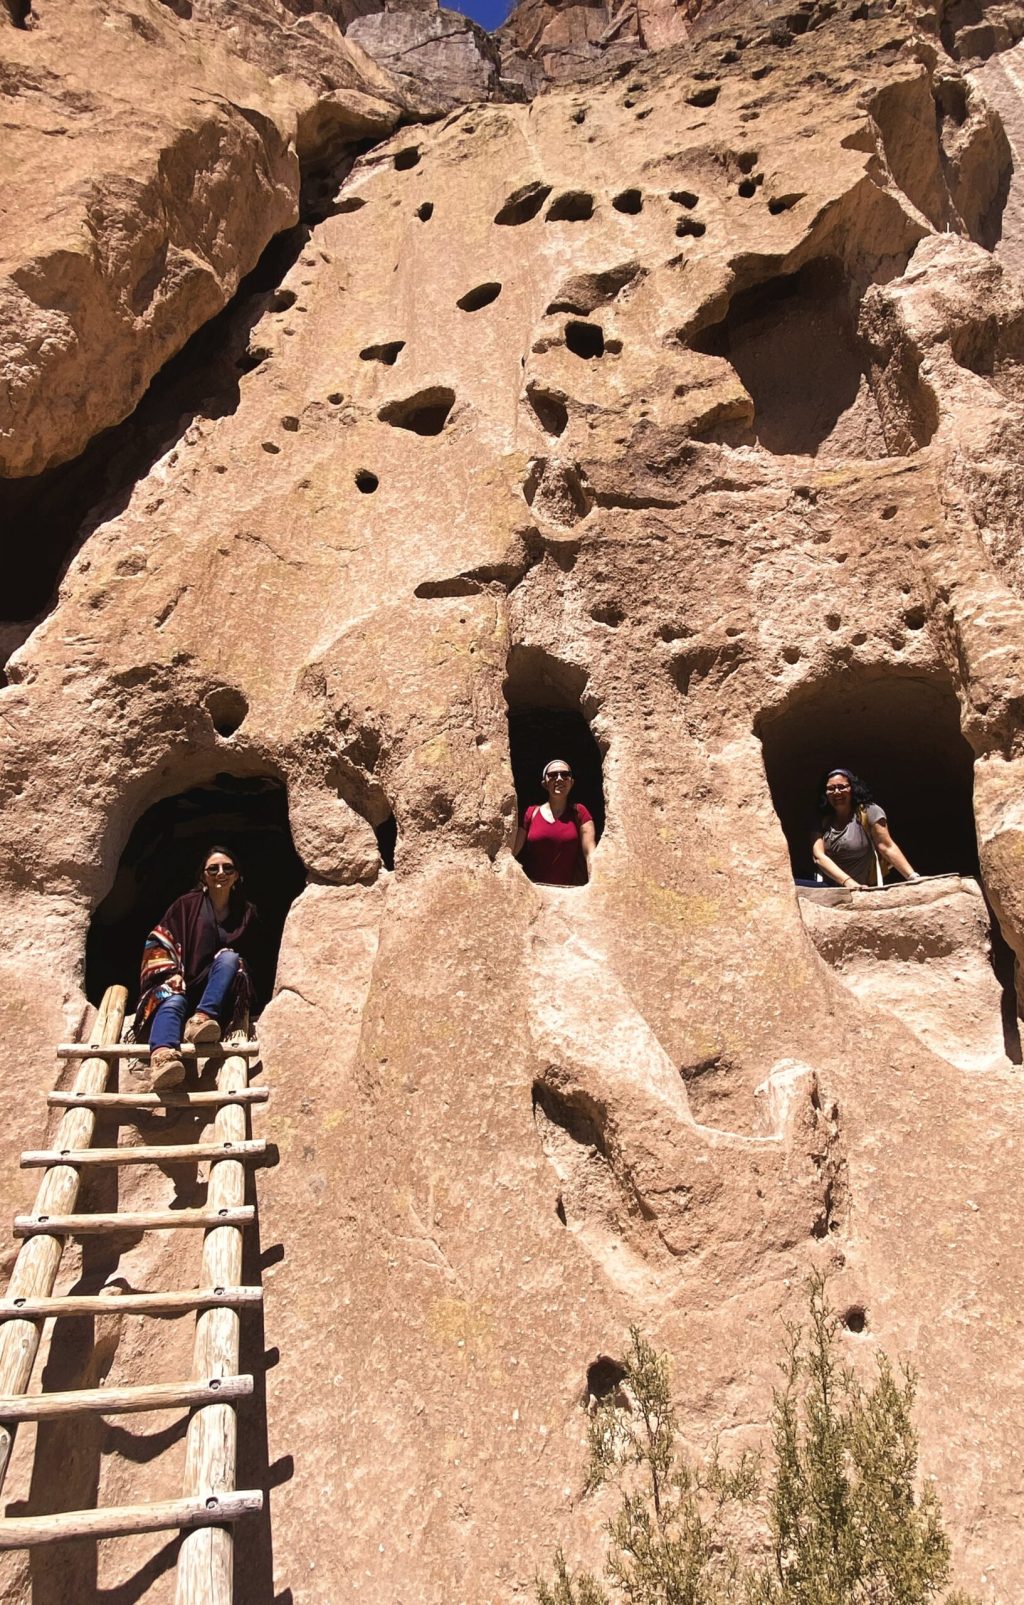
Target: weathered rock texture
687	400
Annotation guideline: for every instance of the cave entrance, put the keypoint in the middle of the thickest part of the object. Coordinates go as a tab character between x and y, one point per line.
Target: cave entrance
545	721
160	862
793	343
901	735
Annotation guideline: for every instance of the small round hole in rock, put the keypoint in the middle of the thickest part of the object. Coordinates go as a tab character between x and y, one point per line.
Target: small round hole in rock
290	423
783	203
604	1376
746	187
704	97
404	159
585	339
684	197
747	161
269	446
690	225
366	482
283	300
425	211
855	1318
629	201
482	296
227	709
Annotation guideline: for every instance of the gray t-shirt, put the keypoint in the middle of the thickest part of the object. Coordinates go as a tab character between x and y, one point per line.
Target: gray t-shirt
851	848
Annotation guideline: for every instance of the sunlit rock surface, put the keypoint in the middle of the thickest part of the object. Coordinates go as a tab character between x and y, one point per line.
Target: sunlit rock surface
678	406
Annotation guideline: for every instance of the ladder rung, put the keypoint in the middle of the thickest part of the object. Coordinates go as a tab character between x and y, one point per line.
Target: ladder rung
155	1220
141	1050
182	1154
22	1532
122	1401
170	1098
200	1298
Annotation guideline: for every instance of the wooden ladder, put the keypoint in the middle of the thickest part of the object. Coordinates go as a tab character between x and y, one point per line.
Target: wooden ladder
210	1502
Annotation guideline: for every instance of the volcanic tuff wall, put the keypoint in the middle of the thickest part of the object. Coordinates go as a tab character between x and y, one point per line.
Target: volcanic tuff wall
688	398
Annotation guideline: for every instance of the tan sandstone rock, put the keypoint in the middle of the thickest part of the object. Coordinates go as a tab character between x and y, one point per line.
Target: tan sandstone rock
694	418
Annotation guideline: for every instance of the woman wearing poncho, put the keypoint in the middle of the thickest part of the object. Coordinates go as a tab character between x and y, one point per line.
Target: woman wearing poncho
197	959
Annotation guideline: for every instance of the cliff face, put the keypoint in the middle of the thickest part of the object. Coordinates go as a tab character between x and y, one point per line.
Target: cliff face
670	422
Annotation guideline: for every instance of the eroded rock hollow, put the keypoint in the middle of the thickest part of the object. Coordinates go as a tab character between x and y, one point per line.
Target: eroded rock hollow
386	411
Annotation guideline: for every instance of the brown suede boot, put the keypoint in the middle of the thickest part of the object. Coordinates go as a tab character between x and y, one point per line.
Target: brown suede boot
202	1028
165	1069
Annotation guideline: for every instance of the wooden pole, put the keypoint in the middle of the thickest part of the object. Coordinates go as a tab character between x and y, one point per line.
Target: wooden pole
147	1220
122	1401
35	1270
185	1153
174	1303
142	1050
22	1532
206	1557
171	1098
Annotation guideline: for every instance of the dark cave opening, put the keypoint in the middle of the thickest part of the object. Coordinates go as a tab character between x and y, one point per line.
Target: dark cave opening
793	342
47	516
546	721
901	735
161	859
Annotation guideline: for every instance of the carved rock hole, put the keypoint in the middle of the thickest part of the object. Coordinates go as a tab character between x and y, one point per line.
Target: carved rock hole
546	720
348	203
747	187
746	161
793	343
425	413
283	301
227	709
405	159
161	859
387	352
366	481
585	340
890	729
684	197
580	115
523	205
704	97
784	203
855	1319
690	225
387	840
604	1377
425	211
290	423
550	408
574	206
630	201
482	296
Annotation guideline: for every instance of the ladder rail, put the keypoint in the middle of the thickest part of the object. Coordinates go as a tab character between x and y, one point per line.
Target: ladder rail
206	1556
35	1270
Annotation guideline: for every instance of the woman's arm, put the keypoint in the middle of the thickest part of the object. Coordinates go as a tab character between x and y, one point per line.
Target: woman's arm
588	841
520	841
888	850
825	864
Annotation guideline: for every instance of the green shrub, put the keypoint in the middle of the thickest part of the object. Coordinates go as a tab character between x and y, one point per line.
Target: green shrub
837	1517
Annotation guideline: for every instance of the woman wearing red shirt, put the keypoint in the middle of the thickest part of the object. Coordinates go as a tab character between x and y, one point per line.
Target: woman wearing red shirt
556	838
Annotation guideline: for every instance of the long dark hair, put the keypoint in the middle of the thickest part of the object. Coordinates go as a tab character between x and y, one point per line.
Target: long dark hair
861	795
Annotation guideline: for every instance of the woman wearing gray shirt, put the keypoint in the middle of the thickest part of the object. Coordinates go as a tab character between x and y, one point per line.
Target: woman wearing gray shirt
853	830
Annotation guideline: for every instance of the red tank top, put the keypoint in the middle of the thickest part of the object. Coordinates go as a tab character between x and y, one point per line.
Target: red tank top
552	851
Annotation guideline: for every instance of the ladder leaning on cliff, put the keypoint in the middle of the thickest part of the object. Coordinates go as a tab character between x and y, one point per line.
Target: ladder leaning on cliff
210	1501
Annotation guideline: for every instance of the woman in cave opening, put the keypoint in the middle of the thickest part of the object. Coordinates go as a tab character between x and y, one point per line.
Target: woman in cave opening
853	836
557	837
198	958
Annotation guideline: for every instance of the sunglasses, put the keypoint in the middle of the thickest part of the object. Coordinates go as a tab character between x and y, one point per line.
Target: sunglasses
220	869
559	774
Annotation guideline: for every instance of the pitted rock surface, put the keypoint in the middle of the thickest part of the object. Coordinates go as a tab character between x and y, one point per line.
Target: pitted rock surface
688	401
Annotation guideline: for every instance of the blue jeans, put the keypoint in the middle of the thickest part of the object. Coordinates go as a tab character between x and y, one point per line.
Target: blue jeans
169	1019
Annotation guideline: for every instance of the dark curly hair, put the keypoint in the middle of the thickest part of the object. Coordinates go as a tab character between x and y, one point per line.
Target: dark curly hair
861	795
